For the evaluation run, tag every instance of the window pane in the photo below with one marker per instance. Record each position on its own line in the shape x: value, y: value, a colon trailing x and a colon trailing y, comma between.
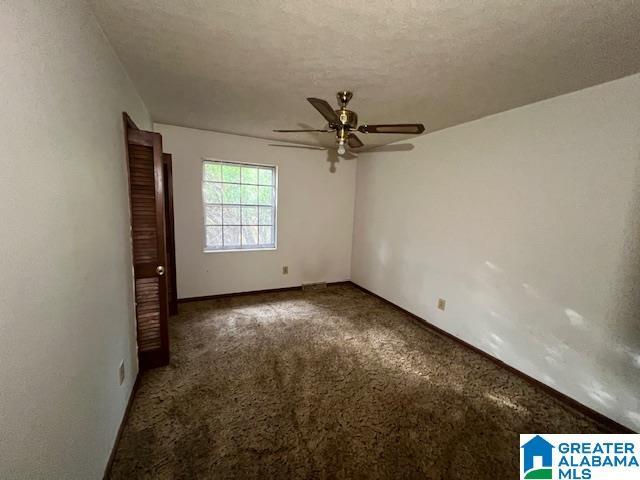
x: 239, y: 205
x: 249, y: 215
x: 212, y: 192
x: 266, y: 235
x: 265, y: 195
x: 266, y: 216
x: 249, y: 175
x: 231, y: 215
x: 266, y: 176
x: 231, y: 173
x: 249, y: 194
x: 213, y: 215
x: 231, y: 193
x: 214, y: 237
x: 212, y: 172
x: 231, y: 236
x: 249, y: 236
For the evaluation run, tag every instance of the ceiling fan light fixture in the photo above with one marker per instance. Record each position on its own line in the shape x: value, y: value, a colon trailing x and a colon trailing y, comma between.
x: 341, y: 147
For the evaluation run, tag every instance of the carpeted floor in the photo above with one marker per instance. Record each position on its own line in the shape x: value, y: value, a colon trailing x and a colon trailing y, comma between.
x: 327, y: 384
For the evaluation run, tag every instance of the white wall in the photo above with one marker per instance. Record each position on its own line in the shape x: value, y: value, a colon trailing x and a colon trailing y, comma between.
x: 528, y: 224
x: 315, y: 215
x: 66, y: 303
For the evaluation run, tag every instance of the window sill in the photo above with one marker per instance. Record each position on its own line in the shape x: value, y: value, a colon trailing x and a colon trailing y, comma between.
x: 236, y: 250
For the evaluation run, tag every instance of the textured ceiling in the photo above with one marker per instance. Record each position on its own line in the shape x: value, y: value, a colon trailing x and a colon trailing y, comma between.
x: 246, y: 66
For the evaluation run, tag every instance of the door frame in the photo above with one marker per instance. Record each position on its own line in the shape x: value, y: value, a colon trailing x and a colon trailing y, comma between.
x: 167, y: 160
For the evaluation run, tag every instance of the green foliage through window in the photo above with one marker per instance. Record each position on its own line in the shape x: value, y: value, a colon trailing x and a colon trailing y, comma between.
x: 239, y: 205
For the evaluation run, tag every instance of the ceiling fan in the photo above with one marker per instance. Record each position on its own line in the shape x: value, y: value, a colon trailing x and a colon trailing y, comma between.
x: 343, y: 121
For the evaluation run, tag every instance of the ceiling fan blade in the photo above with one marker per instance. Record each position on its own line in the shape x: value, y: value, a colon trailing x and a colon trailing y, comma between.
x: 394, y: 147
x: 325, y: 110
x: 304, y: 130
x: 354, y: 141
x: 305, y: 147
x: 414, y: 128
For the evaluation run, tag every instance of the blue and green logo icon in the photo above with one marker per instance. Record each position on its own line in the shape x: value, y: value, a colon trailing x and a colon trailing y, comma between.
x: 537, y: 459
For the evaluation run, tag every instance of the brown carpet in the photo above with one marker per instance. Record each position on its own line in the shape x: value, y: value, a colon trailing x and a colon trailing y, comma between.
x: 328, y: 384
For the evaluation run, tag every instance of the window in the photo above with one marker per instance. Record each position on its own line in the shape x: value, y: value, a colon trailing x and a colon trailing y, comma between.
x: 239, y: 206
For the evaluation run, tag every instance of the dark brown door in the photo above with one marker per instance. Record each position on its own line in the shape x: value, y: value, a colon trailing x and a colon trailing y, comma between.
x: 171, y: 244
x: 146, y: 189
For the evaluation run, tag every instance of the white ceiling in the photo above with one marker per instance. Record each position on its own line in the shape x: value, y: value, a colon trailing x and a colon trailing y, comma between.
x: 246, y: 66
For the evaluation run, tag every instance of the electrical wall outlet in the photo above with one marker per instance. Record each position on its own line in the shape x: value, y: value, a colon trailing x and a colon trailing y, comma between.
x: 121, y: 372
x: 442, y: 303
x: 285, y: 270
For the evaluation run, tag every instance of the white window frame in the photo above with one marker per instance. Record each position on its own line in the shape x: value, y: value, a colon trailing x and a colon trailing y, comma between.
x: 252, y: 248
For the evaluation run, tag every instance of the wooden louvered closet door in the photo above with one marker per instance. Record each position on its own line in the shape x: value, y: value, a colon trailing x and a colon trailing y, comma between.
x: 146, y: 188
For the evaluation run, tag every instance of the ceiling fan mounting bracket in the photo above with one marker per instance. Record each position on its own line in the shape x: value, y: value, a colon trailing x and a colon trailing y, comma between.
x: 344, y: 97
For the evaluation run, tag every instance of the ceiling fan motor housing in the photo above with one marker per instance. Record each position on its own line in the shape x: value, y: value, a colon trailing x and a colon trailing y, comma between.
x: 347, y: 118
